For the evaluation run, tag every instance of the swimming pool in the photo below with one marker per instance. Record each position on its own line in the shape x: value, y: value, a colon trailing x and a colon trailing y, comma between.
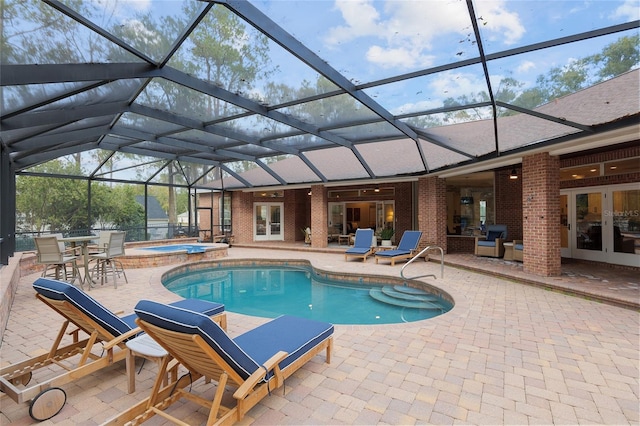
x: 276, y: 289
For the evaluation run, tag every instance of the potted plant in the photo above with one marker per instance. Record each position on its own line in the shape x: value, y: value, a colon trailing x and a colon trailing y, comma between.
x: 386, y: 234
x: 307, y: 234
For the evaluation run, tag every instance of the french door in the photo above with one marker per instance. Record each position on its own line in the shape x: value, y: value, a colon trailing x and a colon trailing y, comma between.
x: 601, y: 224
x: 267, y: 221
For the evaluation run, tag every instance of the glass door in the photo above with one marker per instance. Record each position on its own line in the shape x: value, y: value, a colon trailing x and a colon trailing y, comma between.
x: 565, y: 226
x: 336, y: 225
x: 267, y: 221
x: 601, y: 224
x: 624, y: 215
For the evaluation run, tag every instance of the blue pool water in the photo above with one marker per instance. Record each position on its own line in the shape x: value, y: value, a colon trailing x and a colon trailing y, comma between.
x: 272, y: 291
x: 190, y: 248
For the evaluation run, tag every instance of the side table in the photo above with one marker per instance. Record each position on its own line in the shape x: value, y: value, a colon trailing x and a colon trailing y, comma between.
x: 145, y: 347
x: 508, y: 251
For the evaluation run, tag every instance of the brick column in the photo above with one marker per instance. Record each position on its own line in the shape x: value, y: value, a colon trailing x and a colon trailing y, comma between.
x: 541, y: 214
x: 432, y: 210
x: 319, y: 219
x: 242, y: 216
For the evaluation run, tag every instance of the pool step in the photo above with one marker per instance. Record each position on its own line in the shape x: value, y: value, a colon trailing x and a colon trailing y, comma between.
x: 409, y: 293
x: 380, y: 296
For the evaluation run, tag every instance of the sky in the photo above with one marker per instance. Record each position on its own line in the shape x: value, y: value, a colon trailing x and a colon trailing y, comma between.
x: 368, y: 40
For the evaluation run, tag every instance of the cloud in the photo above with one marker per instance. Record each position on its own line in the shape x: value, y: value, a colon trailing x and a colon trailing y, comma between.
x: 525, y: 66
x: 493, y: 17
x: 404, y: 34
x: 629, y: 9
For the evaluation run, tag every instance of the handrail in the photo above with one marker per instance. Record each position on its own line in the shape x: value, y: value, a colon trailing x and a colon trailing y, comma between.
x: 424, y: 250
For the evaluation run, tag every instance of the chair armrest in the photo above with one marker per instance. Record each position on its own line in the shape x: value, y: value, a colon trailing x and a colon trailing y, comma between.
x: 72, y: 251
x: 118, y: 340
x: 259, y: 374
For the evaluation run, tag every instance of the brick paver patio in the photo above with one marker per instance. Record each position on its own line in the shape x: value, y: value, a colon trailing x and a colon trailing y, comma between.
x: 508, y: 353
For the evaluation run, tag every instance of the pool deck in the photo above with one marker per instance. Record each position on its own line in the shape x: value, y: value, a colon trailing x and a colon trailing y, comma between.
x: 507, y: 353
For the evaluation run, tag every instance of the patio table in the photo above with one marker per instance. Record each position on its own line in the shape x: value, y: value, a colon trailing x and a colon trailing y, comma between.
x: 83, y: 241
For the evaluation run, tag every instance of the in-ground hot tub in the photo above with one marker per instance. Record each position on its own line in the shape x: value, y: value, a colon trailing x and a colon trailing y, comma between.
x: 151, y: 254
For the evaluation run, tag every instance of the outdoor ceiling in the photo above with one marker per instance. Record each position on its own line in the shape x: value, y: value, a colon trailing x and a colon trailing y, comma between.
x: 238, y: 94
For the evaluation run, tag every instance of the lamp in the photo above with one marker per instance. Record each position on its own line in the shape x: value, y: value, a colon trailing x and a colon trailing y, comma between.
x: 309, y: 193
x: 514, y: 174
x: 377, y: 189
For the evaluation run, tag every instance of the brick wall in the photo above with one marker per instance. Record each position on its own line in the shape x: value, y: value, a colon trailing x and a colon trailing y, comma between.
x: 432, y: 210
x: 403, y: 214
x: 508, y: 196
x: 541, y: 210
x: 319, y: 216
x: 242, y: 216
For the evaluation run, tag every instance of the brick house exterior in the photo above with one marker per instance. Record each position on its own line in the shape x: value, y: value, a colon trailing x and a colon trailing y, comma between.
x: 529, y: 206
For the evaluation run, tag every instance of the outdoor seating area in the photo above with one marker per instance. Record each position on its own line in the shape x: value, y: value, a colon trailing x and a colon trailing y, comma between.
x: 95, y: 326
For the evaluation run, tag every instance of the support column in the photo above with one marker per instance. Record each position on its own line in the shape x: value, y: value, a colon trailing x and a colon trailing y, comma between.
x: 319, y: 219
x: 432, y: 210
x: 541, y: 214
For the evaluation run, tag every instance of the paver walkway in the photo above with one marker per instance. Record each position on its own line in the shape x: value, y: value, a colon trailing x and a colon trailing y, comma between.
x: 507, y: 353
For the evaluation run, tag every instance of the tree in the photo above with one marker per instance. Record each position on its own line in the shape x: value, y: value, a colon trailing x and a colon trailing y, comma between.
x: 49, y: 203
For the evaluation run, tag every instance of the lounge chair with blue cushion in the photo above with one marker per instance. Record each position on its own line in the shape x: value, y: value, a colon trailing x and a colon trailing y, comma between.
x: 255, y: 363
x: 362, y: 245
x: 406, y: 248
x: 492, y: 244
x: 107, y: 335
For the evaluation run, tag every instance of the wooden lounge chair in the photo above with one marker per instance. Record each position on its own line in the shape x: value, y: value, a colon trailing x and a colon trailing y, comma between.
x: 256, y: 362
x: 76, y: 359
x: 362, y: 245
x: 406, y: 248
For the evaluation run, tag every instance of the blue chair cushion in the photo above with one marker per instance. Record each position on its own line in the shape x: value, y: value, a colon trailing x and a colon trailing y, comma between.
x: 492, y: 235
x: 485, y: 243
x: 518, y: 247
x: 363, y: 239
x: 295, y: 335
x: 358, y: 250
x: 392, y: 253
x: 246, y: 353
x: 60, y: 290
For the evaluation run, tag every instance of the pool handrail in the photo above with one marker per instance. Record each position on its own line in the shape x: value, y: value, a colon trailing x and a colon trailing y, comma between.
x: 424, y: 251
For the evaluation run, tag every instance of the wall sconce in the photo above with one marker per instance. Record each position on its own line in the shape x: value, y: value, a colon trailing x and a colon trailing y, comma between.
x: 309, y: 193
x: 377, y: 189
x: 514, y: 174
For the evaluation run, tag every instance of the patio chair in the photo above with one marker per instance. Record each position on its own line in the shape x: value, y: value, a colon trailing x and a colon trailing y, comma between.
x: 52, y: 253
x: 518, y: 250
x: 492, y: 244
x: 256, y: 362
x: 107, y: 333
x: 106, y: 258
x: 406, y: 248
x: 362, y: 245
